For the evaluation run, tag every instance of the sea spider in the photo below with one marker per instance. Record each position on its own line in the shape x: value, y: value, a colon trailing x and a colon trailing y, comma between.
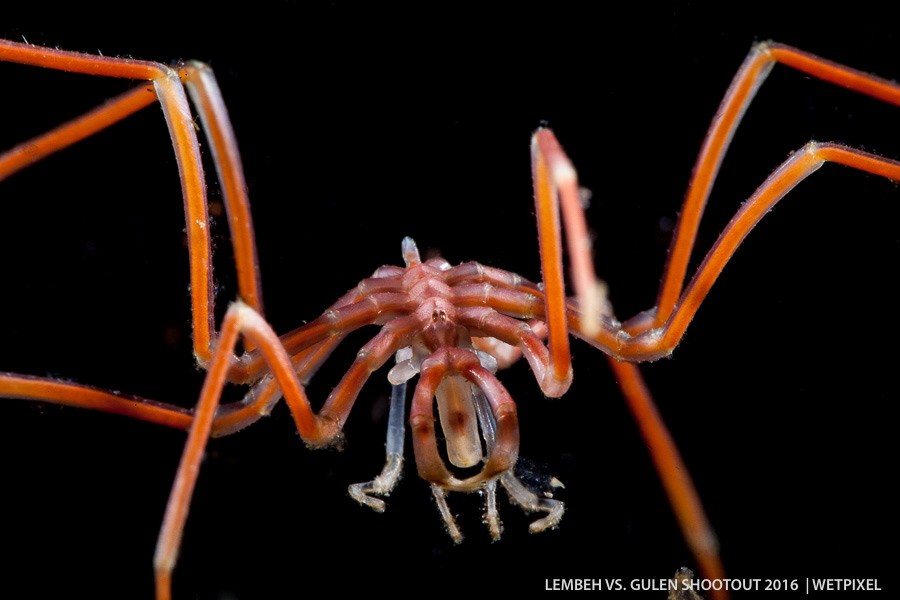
x: 450, y: 347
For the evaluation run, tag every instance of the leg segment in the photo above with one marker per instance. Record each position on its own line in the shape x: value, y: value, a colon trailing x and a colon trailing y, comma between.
x: 657, y: 342
x: 186, y: 478
x: 440, y: 499
x: 738, y: 97
x: 660, y: 342
x: 311, y: 345
x: 240, y: 319
x: 204, y: 91
x: 672, y: 472
x: 555, y: 180
x: 172, y: 99
x: 27, y: 387
x: 490, y: 323
x: 30, y: 152
x: 384, y: 484
x: 551, y: 171
x: 491, y: 514
x: 531, y: 502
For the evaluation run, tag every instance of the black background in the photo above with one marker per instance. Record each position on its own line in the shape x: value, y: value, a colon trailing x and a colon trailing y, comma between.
x: 358, y: 128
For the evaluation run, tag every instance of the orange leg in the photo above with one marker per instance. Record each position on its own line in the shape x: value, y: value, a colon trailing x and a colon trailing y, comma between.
x: 659, y: 342
x: 672, y: 472
x: 738, y: 97
x: 310, y: 345
x: 204, y: 91
x: 553, y: 172
x: 170, y: 93
x: 316, y: 429
x: 655, y: 333
x: 240, y: 319
x: 166, y: 87
x: 671, y: 469
x: 30, y: 152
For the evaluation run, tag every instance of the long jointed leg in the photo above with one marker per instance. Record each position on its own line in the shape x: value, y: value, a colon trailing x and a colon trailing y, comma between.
x: 36, y: 149
x: 317, y: 429
x: 552, y: 172
x: 204, y: 91
x: 665, y: 324
x: 672, y: 472
x: 738, y: 97
x: 654, y: 343
x: 167, y: 85
x: 27, y: 387
x: 656, y: 332
x: 556, y: 185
